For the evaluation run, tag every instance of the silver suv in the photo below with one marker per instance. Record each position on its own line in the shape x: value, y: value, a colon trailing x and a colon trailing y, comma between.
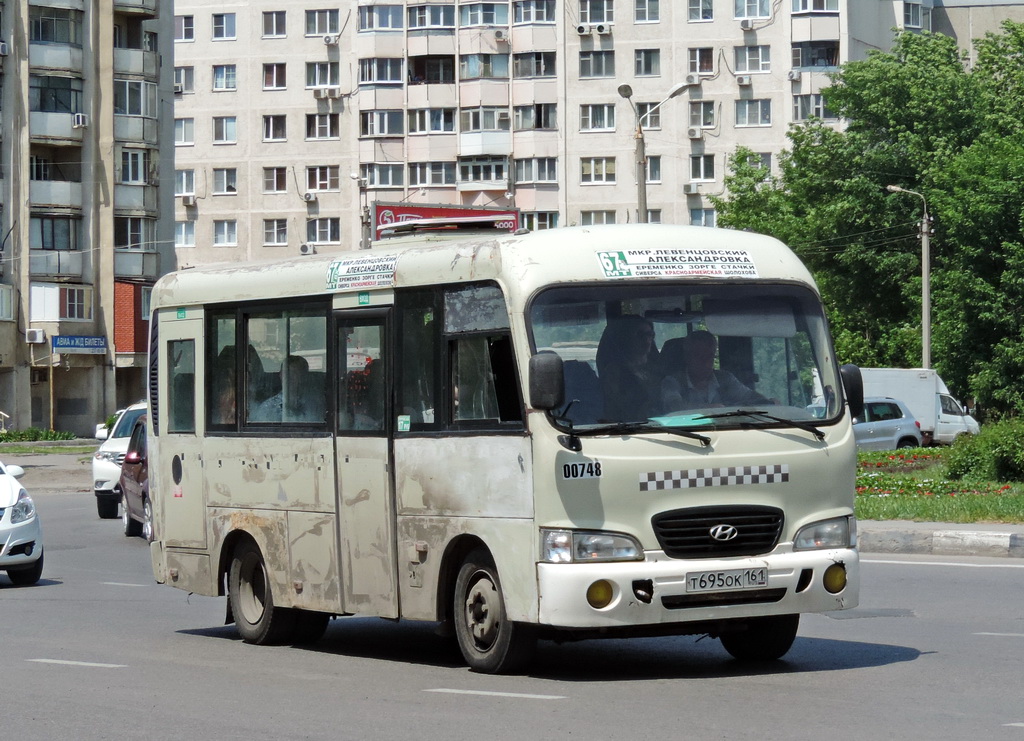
x: 886, y: 424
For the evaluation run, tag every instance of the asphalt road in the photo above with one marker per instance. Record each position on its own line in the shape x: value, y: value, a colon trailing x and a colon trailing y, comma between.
x: 97, y: 650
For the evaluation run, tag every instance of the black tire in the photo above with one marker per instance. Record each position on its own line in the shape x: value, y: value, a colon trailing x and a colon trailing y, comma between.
x: 252, y: 601
x: 132, y: 528
x: 907, y: 443
x: 489, y: 642
x: 106, y: 507
x: 309, y: 626
x: 28, y: 576
x: 764, y: 639
x: 147, y: 520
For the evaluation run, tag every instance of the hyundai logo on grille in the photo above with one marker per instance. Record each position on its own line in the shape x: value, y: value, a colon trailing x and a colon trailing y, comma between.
x: 723, y: 532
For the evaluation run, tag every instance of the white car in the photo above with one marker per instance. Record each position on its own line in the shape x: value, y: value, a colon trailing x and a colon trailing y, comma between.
x: 106, y: 462
x: 21, y: 537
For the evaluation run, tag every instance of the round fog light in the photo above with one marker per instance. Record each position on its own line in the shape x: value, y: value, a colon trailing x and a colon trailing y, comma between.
x: 600, y: 593
x: 835, y: 578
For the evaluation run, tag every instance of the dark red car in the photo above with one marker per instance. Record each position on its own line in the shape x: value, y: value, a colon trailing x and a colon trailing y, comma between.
x: 136, y: 510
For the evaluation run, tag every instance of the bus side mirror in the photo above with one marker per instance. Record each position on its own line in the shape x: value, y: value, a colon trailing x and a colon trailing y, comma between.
x: 547, y: 381
x: 853, y: 384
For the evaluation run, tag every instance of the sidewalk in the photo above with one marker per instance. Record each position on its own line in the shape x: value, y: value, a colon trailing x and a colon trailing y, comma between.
x: 939, y: 538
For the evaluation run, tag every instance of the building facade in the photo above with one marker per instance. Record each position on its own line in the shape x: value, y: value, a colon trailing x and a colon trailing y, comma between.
x: 85, y: 103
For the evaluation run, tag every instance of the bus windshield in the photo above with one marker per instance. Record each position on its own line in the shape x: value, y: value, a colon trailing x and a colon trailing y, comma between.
x: 688, y: 355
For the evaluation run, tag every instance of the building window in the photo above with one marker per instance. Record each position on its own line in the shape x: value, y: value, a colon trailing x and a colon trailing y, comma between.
x: 807, y: 106
x: 323, y: 231
x: 597, y: 64
x: 597, y: 11
x: 484, y: 118
x: 592, y: 218
x: 50, y: 302
x: 533, y: 64
x: 537, y: 220
x: 380, y: 17
x: 483, y: 169
x: 702, y: 216
x: 816, y: 54
x: 752, y: 9
x: 649, y: 115
x: 322, y: 74
x: 700, y: 10
x: 815, y: 6
x: 322, y: 126
x: 754, y: 112
x: 647, y: 11
x: 225, y: 130
x: 701, y: 60
x: 483, y: 66
x: 431, y: 69
x: 274, y: 76
x: 321, y: 22
x: 223, y: 26
x: 225, y: 233
x: 133, y: 233
x: 911, y: 15
x: 537, y: 116
x: 275, y: 232
x: 135, y: 98
x: 534, y: 11
x: 323, y: 177
x: 383, y: 174
x: 702, y: 114
x: 184, y: 234
x: 422, y: 174
x: 484, y: 14
x: 184, y: 28
x: 379, y: 71
x: 76, y: 302
x: 57, y: 233
x: 599, y: 117
x: 274, y: 24
x: 54, y: 25
x: 753, y: 58
x: 275, y: 128
x: 135, y: 166
x: 432, y: 121
x: 224, y: 77
x: 437, y: 17
x: 275, y: 180
x: 597, y: 170
x: 654, y: 216
x: 53, y: 94
x: 382, y: 123
x: 184, y: 131
x: 653, y: 169
x: 184, y: 182
x: 702, y: 167
x: 536, y: 170
x: 225, y: 181
x: 647, y: 62
x: 184, y: 79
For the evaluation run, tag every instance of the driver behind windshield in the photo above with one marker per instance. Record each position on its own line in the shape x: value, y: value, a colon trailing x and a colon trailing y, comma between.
x: 697, y: 384
x: 627, y: 366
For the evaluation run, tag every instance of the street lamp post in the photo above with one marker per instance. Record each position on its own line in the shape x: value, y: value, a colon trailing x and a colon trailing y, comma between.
x: 640, y: 147
x: 926, y: 277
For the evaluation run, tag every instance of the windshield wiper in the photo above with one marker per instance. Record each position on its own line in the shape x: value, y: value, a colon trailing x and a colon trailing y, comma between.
x: 628, y: 427
x: 807, y: 426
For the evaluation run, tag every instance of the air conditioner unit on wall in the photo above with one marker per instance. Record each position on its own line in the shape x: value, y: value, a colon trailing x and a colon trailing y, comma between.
x: 35, y: 336
x: 334, y: 92
x: 178, y: 88
x: 309, y: 196
x: 330, y: 39
x: 188, y: 200
x: 690, y: 189
x: 80, y: 121
x: 794, y: 75
x: 695, y: 132
x: 307, y: 249
x: 320, y: 93
x: 501, y: 35
x: 743, y: 80
x: 603, y: 28
x: 747, y: 24
x: 583, y: 29
x: 693, y: 79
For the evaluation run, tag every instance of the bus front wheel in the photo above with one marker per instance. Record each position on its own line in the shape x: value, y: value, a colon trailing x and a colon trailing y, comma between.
x: 490, y: 643
x: 764, y: 639
x: 252, y: 600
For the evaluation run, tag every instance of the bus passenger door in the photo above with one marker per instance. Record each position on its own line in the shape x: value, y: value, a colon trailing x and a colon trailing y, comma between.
x: 176, y: 465
x: 366, y: 507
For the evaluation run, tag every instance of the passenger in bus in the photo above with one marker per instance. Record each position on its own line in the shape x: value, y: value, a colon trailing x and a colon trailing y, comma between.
x: 627, y: 367
x: 296, y: 401
x: 698, y: 384
x: 224, y: 388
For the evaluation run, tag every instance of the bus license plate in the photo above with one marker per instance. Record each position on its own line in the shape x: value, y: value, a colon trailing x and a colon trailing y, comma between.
x: 725, y: 581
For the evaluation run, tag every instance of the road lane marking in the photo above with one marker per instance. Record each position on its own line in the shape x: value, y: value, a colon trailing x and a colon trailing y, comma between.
x: 1002, y: 635
x: 498, y: 694
x: 122, y: 584
x: 947, y: 563
x: 79, y: 663
x: 1013, y: 725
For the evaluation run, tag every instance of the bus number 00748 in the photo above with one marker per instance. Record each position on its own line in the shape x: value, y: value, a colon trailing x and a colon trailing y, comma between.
x: 589, y: 470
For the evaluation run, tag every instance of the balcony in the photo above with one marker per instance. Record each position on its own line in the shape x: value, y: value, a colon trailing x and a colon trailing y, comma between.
x: 137, y: 129
x: 147, y: 8
x: 55, y: 193
x: 55, y: 264
x: 136, y: 264
x: 136, y: 198
x: 55, y: 56
x: 485, y: 142
x: 49, y: 126
x: 137, y: 62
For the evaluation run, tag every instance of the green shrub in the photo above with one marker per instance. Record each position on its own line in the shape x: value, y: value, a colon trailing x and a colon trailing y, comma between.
x: 997, y: 454
x: 33, y: 434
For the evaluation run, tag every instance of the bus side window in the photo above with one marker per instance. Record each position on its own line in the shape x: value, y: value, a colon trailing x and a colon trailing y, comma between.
x: 181, y: 393
x: 483, y: 383
x: 361, y: 390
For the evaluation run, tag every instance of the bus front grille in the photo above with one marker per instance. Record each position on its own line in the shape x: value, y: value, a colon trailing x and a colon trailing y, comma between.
x: 718, y: 532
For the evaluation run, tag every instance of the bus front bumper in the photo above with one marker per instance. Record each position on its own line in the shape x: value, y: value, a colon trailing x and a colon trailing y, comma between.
x: 661, y: 591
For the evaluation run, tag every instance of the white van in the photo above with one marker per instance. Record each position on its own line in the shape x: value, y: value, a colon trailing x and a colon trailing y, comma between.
x: 106, y: 461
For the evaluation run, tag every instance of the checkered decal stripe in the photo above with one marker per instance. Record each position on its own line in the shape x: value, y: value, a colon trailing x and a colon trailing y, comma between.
x: 700, y: 477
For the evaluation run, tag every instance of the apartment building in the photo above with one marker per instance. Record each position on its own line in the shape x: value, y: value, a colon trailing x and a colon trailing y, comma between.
x: 85, y: 105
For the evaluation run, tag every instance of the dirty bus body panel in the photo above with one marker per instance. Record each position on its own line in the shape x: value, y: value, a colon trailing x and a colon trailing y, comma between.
x: 431, y: 482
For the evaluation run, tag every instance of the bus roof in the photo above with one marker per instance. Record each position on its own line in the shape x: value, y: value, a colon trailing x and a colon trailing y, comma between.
x: 522, y: 263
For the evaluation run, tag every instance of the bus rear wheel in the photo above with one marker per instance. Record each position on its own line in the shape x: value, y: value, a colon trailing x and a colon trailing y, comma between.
x: 489, y: 642
x: 252, y: 600
x: 764, y: 639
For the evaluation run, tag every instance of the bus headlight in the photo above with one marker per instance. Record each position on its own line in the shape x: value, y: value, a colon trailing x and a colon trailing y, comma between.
x: 582, y: 546
x: 839, y: 532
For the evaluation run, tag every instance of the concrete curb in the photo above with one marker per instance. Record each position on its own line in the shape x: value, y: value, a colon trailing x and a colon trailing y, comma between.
x: 941, y: 539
